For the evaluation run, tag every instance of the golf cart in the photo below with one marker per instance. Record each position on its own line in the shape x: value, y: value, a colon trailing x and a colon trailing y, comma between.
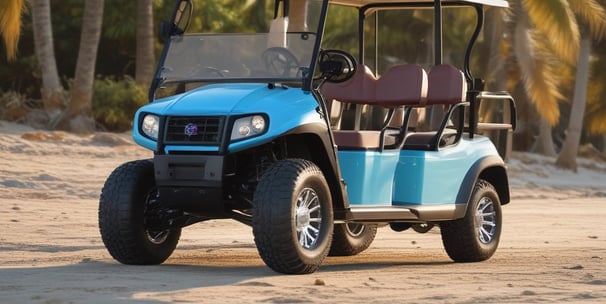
x: 311, y: 146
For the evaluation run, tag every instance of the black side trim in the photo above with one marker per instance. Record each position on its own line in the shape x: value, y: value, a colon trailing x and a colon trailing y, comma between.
x: 490, y: 168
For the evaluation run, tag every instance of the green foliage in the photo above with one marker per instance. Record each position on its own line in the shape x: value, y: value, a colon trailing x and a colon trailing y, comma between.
x: 230, y: 16
x: 116, y: 101
x: 341, y: 30
x: 120, y: 23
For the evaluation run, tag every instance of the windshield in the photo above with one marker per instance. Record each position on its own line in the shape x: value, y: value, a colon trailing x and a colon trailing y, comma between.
x: 244, y: 47
x: 238, y: 56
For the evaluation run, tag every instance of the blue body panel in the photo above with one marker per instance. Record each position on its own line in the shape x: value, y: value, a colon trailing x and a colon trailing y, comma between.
x: 369, y: 175
x: 410, y: 177
x: 435, y: 177
x: 287, y: 109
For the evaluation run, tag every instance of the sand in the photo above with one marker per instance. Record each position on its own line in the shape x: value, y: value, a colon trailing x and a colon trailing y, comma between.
x: 553, y: 247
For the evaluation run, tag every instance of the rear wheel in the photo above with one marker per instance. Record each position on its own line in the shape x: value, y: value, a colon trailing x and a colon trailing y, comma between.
x: 351, y: 239
x: 128, y: 195
x: 476, y: 236
x: 292, y: 217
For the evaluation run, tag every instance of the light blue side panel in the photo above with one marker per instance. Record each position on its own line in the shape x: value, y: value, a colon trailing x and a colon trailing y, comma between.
x: 368, y: 175
x: 435, y: 177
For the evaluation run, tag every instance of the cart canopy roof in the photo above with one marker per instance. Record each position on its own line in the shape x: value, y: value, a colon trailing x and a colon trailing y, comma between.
x: 359, y: 3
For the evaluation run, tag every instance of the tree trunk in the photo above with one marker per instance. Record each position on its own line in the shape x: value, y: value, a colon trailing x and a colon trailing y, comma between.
x: 79, y: 115
x: 145, y: 43
x: 52, y: 90
x: 544, y: 143
x: 535, y: 75
x: 567, y: 158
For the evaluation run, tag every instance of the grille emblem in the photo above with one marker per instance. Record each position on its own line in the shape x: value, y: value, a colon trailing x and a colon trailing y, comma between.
x: 191, y: 129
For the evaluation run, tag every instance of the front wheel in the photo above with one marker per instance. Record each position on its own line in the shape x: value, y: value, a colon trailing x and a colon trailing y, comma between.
x: 475, y: 237
x: 351, y: 238
x: 292, y: 217
x: 129, y: 194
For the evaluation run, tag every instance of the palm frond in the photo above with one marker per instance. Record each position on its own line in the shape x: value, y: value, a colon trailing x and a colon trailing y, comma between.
x: 544, y: 92
x: 10, y: 25
x: 556, y: 20
x: 540, y: 80
x: 593, y: 14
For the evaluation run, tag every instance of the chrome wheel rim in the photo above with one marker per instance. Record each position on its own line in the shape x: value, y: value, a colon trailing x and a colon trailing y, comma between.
x: 157, y: 237
x: 486, y: 220
x: 355, y: 230
x: 308, y: 218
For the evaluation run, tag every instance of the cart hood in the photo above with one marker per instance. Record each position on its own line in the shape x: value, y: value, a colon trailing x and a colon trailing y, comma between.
x: 224, y: 99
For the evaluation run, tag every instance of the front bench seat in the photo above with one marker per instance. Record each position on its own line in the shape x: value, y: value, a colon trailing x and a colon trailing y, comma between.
x: 401, y: 85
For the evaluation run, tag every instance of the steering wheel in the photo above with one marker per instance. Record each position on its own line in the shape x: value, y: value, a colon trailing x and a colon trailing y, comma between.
x: 280, y: 61
x: 336, y: 66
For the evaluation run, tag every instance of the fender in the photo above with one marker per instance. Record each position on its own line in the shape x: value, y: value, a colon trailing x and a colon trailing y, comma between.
x: 316, y: 134
x: 489, y: 168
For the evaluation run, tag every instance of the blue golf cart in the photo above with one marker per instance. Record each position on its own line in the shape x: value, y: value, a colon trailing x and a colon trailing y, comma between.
x: 311, y: 146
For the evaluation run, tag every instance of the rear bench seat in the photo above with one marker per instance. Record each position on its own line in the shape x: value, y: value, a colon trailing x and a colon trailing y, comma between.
x: 447, y: 86
x: 401, y: 85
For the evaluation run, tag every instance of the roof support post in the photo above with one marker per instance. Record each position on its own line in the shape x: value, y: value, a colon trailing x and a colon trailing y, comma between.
x: 479, y: 25
x: 437, y: 23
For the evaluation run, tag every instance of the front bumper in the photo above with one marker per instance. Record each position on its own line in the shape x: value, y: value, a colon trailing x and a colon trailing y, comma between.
x: 192, y: 183
x: 188, y: 170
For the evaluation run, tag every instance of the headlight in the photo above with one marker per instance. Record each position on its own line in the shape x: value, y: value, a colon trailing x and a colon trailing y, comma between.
x: 248, y: 126
x: 150, y: 126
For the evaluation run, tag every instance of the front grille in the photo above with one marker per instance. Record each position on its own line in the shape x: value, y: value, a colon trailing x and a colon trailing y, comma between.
x: 194, y: 130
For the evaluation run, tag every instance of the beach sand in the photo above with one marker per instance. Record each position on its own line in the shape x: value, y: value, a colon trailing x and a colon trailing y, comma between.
x: 553, y: 246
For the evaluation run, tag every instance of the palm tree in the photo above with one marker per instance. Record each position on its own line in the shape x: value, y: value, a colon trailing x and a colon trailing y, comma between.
x: 145, y: 42
x: 79, y: 116
x: 540, y: 41
x: 52, y: 90
x: 10, y: 25
x: 594, y: 16
x: 546, y: 39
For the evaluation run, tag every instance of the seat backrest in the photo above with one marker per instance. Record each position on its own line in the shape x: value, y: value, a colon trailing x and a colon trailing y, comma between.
x: 447, y: 85
x: 404, y: 84
x: 358, y: 89
x: 400, y: 85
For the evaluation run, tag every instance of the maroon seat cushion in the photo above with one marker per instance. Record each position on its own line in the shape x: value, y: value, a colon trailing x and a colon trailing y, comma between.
x: 446, y: 85
x: 400, y: 85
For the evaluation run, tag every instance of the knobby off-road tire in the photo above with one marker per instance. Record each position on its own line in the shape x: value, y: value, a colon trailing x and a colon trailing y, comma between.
x: 127, y: 193
x: 351, y: 239
x: 475, y: 237
x: 293, y: 217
